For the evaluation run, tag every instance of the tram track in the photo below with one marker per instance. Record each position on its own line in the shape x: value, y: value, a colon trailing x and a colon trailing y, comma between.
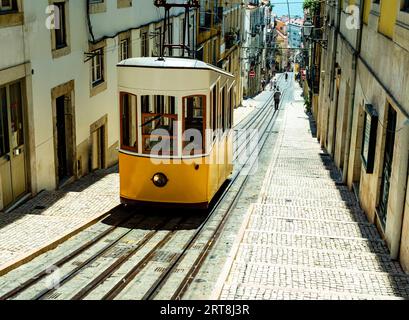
x: 258, y: 121
x: 192, y: 272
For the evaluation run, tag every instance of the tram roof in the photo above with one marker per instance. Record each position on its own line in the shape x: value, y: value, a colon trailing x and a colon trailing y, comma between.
x: 171, y: 63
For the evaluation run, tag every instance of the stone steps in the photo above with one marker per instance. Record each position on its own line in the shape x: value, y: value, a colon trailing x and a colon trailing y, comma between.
x: 319, y: 228
x: 321, y: 279
x: 346, y: 260
x: 304, y: 241
x: 334, y: 214
x: 261, y: 292
x: 309, y: 202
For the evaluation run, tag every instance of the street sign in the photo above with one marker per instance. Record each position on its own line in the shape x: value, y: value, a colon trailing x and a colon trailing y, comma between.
x: 252, y: 74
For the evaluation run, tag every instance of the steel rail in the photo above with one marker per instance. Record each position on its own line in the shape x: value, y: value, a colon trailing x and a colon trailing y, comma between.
x: 124, y: 281
x: 130, y: 275
x: 153, y: 291
x: 189, y: 277
x: 65, y: 259
x: 119, y: 262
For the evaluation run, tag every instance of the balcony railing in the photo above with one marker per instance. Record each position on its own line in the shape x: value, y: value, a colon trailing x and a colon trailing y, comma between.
x: 231, y: 39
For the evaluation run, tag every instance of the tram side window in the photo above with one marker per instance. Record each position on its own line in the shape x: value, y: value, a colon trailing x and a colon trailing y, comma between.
x: 159, y: 124
x: 194, y: 120
x: 223, y: 110
x: 214, y: 111
x: 229, y: 110
x: 129, y: 127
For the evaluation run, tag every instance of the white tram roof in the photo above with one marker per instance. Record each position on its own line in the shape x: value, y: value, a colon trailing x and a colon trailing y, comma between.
x: 172, y: 63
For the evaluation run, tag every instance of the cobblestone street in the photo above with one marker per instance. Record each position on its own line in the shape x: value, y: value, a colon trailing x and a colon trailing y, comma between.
x: 299, y: 235
x: 48, y: 218
x: 306, y: 236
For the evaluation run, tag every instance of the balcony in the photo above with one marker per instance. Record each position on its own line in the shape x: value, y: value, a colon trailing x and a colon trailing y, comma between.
x: 205, y: 21
x: 218, y: 15
x: 231, y: 39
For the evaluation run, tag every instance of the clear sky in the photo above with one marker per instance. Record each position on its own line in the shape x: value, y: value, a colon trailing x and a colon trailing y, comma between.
x: 280, y: 7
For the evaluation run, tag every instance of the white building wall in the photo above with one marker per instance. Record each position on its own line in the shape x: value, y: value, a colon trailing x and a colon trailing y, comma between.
x: 34, y: 46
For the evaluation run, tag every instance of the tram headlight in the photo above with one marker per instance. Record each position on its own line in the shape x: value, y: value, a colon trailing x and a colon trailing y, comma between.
x: 160, y: 180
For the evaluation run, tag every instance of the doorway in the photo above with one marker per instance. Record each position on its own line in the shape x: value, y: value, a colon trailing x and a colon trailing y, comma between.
x: 344, y: 126
x: 64, y: 138
x: 98, y: 149
x: 13, y: 170
x: 334, y: 128
x: 387, y: 164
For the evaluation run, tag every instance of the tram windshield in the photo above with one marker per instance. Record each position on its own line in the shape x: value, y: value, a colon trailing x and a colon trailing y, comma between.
x: 159, y: 124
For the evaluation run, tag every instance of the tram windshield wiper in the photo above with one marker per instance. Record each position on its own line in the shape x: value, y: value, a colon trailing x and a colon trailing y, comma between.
x: 151, y: 120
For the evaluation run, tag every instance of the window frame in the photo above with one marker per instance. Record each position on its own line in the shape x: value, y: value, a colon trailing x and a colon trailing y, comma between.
x: 368, y: 159
x: 174, y: 117
x: 97, y: 6
x: 125, y: 41
x: 204, y: 123
x: 62, y: 9
x: 100, y: 57
x: 13, y: 7
x: 121, y: 112
x: 144, y: 43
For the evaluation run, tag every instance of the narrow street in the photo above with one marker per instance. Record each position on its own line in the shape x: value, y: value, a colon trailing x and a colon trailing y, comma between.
x: 199, y: 158
x: 293, y: 232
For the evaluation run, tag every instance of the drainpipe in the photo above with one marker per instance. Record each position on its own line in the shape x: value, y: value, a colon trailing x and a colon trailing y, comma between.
x: 351, y: 113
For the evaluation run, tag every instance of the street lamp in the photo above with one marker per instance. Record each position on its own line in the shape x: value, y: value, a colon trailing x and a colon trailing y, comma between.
x: 308, y: 28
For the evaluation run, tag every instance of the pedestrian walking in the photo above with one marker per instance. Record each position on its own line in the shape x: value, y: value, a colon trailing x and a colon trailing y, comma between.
x: 277, y: 97
x: 263, y: 84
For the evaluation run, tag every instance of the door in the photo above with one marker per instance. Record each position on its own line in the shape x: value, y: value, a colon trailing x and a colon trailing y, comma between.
x: 64, y: 138
x: 387, y: 164
x: 12, y: 144
x: 98, y: 154
x: 334, y: 132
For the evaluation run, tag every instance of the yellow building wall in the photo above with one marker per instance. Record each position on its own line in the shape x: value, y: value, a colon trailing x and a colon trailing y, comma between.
x: 389, y: 12
x: 367, y: 10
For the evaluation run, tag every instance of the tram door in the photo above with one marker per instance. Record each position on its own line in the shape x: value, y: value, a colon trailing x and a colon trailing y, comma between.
x: 12, y: 144
x: 387, y: 164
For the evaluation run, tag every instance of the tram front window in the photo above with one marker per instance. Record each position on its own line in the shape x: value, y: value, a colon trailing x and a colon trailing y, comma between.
x: 159, y: 125
x: 128, y: 122
x: 194, y: 119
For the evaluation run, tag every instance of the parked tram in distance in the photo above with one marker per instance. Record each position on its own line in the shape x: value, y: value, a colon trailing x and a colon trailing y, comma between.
x: 176, y: 143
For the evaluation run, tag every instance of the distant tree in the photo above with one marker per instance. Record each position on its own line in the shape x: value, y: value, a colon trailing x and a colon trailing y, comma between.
x: 311, y: 5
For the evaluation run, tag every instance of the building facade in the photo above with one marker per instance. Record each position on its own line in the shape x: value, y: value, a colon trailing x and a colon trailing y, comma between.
x: 294, y: 33
x: 363, y: 110
x: 253, y: 49
x: 219, y: 37
x: 58, y: 92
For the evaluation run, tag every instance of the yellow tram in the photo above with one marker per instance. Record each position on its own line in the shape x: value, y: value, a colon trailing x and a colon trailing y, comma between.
x: 176, y: 140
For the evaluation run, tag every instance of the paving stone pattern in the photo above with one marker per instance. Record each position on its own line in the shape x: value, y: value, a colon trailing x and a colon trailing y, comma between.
x: 53, y: 214
x: 307, y: 237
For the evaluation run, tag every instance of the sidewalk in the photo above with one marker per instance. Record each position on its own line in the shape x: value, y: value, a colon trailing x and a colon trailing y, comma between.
x: 306, y: 237
x: 52, y: 216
